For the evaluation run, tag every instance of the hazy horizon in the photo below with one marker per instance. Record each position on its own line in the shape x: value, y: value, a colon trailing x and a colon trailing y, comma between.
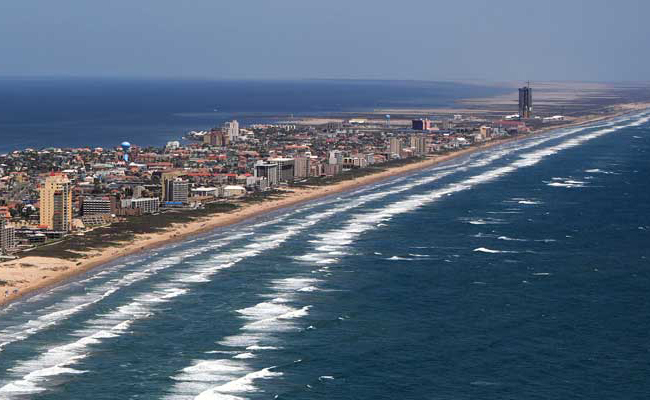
x: 296, y: 40
x: 504, y: 84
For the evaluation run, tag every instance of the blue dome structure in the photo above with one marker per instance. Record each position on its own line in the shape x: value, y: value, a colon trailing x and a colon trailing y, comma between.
x: 126, y: 146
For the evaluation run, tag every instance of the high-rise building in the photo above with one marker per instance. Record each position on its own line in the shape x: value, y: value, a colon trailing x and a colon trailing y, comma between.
x: 216, y: 138
x: 177, y: 191
x: 165, y: 180
x: 232, y: 130
x: 332, y: 169
x: 56, y: 203
x: 7, y: 237
x: 485, y: 131
x: 422, y: 124
x: 525, y: 102
x: 268, y: 170
x: 335, y: 157
x: 285, y: 168
x: 302, y: 167
x: 419, y: 144
x: 395, y: 147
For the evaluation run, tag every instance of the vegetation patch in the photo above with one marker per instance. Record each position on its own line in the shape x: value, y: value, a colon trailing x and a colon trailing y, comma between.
x: 72, y: 247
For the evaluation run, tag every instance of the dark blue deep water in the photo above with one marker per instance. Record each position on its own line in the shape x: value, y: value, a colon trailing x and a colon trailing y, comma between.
x: 518, y: 273
x: 41, y: 113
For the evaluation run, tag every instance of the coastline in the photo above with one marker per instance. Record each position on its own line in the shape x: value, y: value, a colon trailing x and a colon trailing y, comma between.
x: 34, y: 274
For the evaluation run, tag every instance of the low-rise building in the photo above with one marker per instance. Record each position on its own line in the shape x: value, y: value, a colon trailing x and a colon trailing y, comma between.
x: 96, y: 205
x: 146, y: 205
x: 233, y: 191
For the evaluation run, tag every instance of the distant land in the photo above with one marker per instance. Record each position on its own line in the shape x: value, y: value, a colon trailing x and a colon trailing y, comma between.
x: 104, y: 112
x: 57, y: 112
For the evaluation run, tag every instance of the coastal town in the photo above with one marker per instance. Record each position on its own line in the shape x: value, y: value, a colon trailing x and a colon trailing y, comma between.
x: 51, y: 193
x: 324, y: 200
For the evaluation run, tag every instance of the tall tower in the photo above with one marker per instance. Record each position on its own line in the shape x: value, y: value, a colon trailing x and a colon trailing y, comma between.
x: 166, y: 179
x: 395, y: 147
x: 126, y: 147
x: 56, y: 203
x: 526, y: 101
x: 232, y: 130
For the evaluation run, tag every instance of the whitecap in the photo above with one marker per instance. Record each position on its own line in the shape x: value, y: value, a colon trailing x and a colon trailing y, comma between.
x: 599, y: 171
x: 243, y: 384
x: 511, y: 239
x: 491, y: 251
x: 242, y: 356
x: 255, y: 348
x: 485, y: 221
x: 566, y: 183
x: 308, y: 289
x: 529, y: 202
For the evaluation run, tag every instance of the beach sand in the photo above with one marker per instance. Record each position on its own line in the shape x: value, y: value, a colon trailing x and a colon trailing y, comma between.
x: 29, y: 274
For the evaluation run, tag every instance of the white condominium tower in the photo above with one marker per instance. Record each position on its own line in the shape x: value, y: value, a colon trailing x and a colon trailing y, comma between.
x: 232, y: 130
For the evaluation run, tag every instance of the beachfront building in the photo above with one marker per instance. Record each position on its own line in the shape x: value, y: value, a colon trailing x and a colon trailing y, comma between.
x: 286, y: 168
x: 96, y: 205
x: 177, y: 191
x: 302, y: 167
x: 268, y: 170
x: 526, y: 102
x: 56, y: 203
x: 419, y: 144
x: 165, y: 179
x: 335, y: 157
x: 332, y: 169
x: 7, y: 237
x: 233, y: 191
x: 146, y: 205
x: 395, y: 147
x: 205, y: 192
x: 485, y: 132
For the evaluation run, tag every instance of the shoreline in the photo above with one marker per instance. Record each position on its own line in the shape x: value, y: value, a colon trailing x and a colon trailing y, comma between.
x: 42, y: 273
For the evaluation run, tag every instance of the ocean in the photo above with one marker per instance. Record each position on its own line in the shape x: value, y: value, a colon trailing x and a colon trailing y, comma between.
x: 518, y: 272
x: 38, y: 113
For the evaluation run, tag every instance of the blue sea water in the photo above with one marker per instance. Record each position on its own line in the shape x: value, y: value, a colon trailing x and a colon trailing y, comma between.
x: 520, y: 272
x: 45, y: 112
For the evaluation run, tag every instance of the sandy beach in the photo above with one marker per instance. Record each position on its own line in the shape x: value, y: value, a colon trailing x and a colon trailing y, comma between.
x: 28, y: 274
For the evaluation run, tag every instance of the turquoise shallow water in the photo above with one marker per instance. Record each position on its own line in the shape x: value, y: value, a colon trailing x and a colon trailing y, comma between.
x: 521, y: 272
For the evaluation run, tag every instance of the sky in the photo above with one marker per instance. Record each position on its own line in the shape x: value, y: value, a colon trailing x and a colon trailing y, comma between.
x: 490, y: 40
